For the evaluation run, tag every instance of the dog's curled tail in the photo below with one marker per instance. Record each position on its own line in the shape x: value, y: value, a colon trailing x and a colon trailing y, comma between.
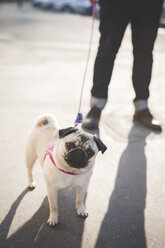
x: 46, y: 120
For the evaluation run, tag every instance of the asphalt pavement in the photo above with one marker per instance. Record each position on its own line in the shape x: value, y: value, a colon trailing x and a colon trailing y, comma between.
x: 42, y: 61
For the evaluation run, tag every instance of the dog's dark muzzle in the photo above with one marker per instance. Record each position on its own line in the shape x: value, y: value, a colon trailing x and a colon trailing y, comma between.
x: 76, y: 158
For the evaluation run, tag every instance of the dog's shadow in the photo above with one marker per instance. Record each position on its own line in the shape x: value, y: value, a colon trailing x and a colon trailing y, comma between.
x: 36, y: 232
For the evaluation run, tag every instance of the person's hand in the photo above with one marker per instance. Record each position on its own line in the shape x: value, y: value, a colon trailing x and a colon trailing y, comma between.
x: 93, y: 1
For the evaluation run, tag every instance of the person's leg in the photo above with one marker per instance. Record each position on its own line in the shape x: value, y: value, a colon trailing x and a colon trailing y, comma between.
x: 145, y: 22
x: 114, y: 17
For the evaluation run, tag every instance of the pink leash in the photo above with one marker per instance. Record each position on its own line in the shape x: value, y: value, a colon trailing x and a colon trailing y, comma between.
x: 79, y: 118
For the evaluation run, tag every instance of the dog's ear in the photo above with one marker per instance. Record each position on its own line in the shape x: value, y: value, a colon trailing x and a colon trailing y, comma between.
x: 100, y: 144
x: 66, y: 131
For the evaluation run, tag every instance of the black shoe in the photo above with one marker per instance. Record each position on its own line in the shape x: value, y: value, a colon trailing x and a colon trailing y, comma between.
x: 145, y: 118
x: 92, y: 119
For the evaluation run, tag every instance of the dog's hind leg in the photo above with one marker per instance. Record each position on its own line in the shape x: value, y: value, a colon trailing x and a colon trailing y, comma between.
x: 31, y: 157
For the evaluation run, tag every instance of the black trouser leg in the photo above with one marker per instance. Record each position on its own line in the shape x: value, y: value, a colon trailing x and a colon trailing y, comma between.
x: 145, y: 21
x: 114, y: 17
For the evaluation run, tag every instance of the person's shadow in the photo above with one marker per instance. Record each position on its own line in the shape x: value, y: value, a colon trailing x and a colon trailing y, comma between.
x: 123, y: 224
x: 36, y: 233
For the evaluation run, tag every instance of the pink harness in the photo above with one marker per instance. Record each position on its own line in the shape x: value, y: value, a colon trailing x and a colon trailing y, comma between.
x: 50, y: 153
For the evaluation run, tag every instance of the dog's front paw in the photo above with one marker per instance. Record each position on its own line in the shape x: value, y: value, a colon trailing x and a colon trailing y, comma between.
x: 82, y: 212
x: 53, y: 220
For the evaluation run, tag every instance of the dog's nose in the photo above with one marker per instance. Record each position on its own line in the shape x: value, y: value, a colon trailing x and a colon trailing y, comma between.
x: 78, y: 154
x: 76, y: 158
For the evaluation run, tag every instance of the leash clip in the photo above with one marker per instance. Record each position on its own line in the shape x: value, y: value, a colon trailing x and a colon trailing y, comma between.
x: 79, y: 119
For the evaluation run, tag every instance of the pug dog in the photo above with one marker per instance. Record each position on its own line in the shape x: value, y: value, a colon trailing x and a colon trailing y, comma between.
x: 67, y: 159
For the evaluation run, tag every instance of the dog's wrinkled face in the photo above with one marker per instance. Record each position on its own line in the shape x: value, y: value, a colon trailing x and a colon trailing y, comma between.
x: 78, y: 151
x: 80, y: 148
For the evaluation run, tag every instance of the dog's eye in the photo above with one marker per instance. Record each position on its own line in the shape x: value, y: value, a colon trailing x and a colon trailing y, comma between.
x: 70, y: 145
x: 90, y: 152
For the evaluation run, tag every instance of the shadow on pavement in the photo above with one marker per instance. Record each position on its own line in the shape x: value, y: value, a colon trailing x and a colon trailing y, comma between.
x: 36, y: 233
x: 6, y: 223
x: 123, y: 224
